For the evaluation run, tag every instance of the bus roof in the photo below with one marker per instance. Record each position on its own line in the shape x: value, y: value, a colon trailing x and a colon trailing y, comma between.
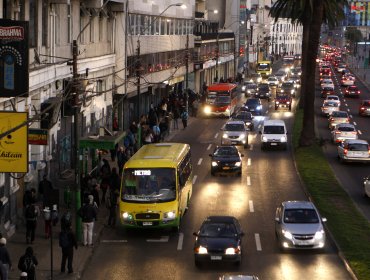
x: 264, y: 62
x: 158, y: 155
x: 221, y: 87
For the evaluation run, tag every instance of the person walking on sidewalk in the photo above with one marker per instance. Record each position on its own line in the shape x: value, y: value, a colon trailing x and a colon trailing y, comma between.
x: 88, y: 214
x: 45, y: 191
x: 67, y: 240
x: 27, y: 263
x: 32, y: 213
x: 184, y: 118
x: 112, y: 204
x: 5, y: 258
x: 176, y: 116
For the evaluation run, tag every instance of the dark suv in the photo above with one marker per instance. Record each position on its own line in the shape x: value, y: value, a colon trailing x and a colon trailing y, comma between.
x: 288, y: 87
x: 283, y: 100
x: 263, y: 91
x: 253, y: 105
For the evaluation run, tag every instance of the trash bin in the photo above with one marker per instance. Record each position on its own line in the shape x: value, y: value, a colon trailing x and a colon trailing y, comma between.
x: 68, y: 197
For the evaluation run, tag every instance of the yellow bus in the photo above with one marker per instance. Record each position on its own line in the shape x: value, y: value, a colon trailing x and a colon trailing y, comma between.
x: 264, y: 68
x: 156, y: 186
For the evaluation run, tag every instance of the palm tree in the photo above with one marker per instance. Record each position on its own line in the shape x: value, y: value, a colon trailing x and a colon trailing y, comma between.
x: 311, y: 14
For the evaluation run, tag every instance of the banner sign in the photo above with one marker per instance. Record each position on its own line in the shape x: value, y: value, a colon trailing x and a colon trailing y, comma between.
x: 13, y: 145
x: 14, y: 73
x: 37, y: 136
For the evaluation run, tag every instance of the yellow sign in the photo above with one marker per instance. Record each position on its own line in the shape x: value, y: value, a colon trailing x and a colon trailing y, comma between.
x: 13, y: 144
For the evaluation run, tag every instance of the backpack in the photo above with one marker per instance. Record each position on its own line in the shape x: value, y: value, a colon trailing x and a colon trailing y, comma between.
x: 28, y: 263
x: 184, y: 115
x: 31, y: 212
x: 64, y: 239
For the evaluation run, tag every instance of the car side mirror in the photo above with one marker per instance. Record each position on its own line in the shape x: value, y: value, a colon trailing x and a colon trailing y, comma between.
x: 195, y: 234
x: 323, y: 219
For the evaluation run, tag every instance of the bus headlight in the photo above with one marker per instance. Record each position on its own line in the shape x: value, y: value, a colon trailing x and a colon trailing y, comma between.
x: 214, y: 163
x: 207, y: 110
x: 127, y: 216
x: 169, y: 215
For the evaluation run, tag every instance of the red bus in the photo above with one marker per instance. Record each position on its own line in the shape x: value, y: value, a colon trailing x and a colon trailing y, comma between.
x: 221, y: 100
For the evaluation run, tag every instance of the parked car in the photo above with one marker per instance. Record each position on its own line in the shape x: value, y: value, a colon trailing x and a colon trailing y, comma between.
x: 328, y: 107
x: 226, y: 159
x: 299, y: 225
x: 366, y: 184
x: 354, y: 151
x: 343, y: 131
x: 219, y: 239
x: 338, y: 117
x: 235, y: 133
x: 253, y: 105
x: 364, y: 109
x: 244, y: 116
x: 352, y: 91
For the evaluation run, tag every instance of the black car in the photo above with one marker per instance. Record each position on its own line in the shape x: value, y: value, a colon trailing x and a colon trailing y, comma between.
x: 246, y: 117
x: 263, y: 91
x: 226, y: 159
x: 288, y: 87
x: 253, y: 105
x: 218, y: 240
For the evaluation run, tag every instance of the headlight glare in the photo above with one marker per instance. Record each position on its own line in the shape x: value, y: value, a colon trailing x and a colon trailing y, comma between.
x: 230, y: 251
x: 283, y: 139
x: 224, y: 135
x: 202, y: 250
x: 214, y: 163
x: 169, y: 215
x: 127, y: 216
x: 264, y: 139
x: 319, y: 234
x: 287, y: 234
x: 238, y: 163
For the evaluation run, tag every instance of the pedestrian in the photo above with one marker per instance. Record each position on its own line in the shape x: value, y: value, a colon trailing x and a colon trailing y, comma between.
x: 45, y: 191
x: 176, y: 116
x: 47, y: 218
x: 148, y: 137
x: 121, y: 159
x: 112, y: 205
x: 29, y: 195
x: 88, y: 214
x: 105, y: 174
x: 66, y: 220
x: 95, y: 194
x: 115, y: 180
x: 195, y: 106
x: 184, y: 118
x: 156, y: 133
x: 5, y: 258
x: 31, y: 215
x: 2, y: 271
x: 67, y: 240
x: 27, y: 263
x: 163, y: 126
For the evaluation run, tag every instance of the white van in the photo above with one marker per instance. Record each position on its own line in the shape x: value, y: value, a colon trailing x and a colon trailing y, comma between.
x: 273, y: 134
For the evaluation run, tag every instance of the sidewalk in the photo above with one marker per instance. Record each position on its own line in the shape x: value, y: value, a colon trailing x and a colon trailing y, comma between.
x: 357, y: 66
x: 43, y: 247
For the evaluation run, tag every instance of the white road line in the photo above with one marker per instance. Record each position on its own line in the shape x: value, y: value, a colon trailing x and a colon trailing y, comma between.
x: 251, y: 207
x: 270, y: 105
x: 194, y: 179
x: 354, y: 123
x: 346, y: 104
x: 113, y: 241
x: 181, y: 240
x: 351, y: 116
x: 216, y: 135
x: 348, y: 110
x: 249, y: 162
x: 200, y: 161
x: 248, y: 180
x: 359, y: 132
x: 251, y: 147
x: 259, y: 126
x: 163, y: 239
x: 258, y: 242
x: 209, y: 146
x: 267, y: 111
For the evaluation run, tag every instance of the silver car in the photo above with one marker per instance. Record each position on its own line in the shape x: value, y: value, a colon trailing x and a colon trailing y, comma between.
x: 342, y: 132
x: 328, y: 107
x: 299, y: 225
x: 354, y: 150
x: 235, y: 133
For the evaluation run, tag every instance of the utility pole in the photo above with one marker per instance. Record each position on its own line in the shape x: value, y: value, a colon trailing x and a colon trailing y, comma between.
x: 76, y: 93
x: 187, y: 74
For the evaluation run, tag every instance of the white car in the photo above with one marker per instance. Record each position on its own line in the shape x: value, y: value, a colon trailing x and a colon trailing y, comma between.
x: 347, y: 81
x: 343, y: 131
x: 273, y: 81
x: 328, y: 107
x: 327, y: 83
x: 367, y: 186
x: 341, y: 68
x: 338, y: 117
x: 334, y: 98
x: 235, y: 133
x: 354, y: 151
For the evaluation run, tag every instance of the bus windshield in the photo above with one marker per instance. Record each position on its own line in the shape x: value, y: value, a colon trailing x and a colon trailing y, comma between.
x: 263, y: 66
x: 149, y: 185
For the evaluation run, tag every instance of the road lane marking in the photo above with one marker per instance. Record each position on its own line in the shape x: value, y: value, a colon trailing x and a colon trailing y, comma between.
x: 359, y: 132
x: 259, y: 126
x: 351, y: 116
x: 181, y: 240
x: 267, y: 111
x: 200, y: 161
x: 163, y: 239
x: 346, y: 104
x: 248, y: 180
x: 249, y: 162
x: 354, y: 123
x: 258, y: 242
x: 348, y: 110
x: 194, y: 179
x: 209, y: 146
x: 251, y: 208
x: 216, y: 135
x: 113, y: 241
x: 251, y: 147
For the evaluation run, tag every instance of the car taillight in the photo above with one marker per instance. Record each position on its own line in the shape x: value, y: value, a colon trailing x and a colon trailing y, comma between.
x: 338, y: 132
x: 358, y: 92
x: 362, y: 108
x: 345, y: 151
x: 348, y: 120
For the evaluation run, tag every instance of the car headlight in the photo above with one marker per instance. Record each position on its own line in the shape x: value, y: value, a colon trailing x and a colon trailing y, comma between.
x: 259, y: 107
x: 201, y: 250
x: 170, y: 215
x: 319, y: 234
x: 264, y: 139
x: 277, y: 102
x: 214, y: 163
x: 238, y: 163
x: 230, y: 251
x: 242, y: 135
x: 248, y: 123
x: 287, y: 234
x: 287, y: 102
x: 127, y: 216
x: 283, y: 139
x: 207, y: 110
x: 249, y: 91
x: 243, y: 88
x: 224, y: 135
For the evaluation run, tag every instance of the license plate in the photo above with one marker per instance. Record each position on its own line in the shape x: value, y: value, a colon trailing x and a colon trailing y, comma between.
x: 357, y: 154
x: 226, y: 167
x: 216, y: 258
x: 273, y: 144
x: 303, y: 242
x: 147, y: 223
x: 234, y: 142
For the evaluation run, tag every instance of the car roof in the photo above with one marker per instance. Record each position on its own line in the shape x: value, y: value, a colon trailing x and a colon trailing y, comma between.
x: 234, y: 122
x: 273, y: 122
x: 356, y: 141
x: 227, y: 147
x: 332, y: 96
x: 220, y: 219
x: 298, y: 204
x: 238, y: 277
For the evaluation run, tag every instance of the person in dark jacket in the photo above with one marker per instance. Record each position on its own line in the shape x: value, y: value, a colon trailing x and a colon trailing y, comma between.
x: 112, y: 205
x: 67, y: 241
x: 115, y: 180
x: 5, y: 258
x: 27, y: 263
x: 45, y: 191
x: 88, y: 215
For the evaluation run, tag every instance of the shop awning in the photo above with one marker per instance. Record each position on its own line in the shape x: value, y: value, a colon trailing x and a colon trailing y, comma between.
x: 106, y: 142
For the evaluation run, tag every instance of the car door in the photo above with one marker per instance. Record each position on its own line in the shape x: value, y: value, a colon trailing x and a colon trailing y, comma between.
x: 340, y: 149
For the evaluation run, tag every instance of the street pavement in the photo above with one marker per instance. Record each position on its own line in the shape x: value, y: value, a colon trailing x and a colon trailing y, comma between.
x: 48, y: 252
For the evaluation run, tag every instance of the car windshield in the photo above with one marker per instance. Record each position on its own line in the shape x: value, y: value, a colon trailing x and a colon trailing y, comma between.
x: 287, y: 85
x: 218, y: 230
x: 331, y: 104
x: 327, y: 89
x: 358, y: 147
x: 226, y: 151
x: 234, y: 127
x: 243, y: 116
x: 300, y: 216
x: 352, y: 88
x: 149, y: 185
x: 272, y: 79
x: 346, y: 128
x: 222, y: 99
x: 339, y: 115
x: 273, y: 129
x: 332, y: 98
x: 280, y: 73
x: 251, y: 86
x: 263, y: 87
x: 255, y: 75
x: 251, y: 102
